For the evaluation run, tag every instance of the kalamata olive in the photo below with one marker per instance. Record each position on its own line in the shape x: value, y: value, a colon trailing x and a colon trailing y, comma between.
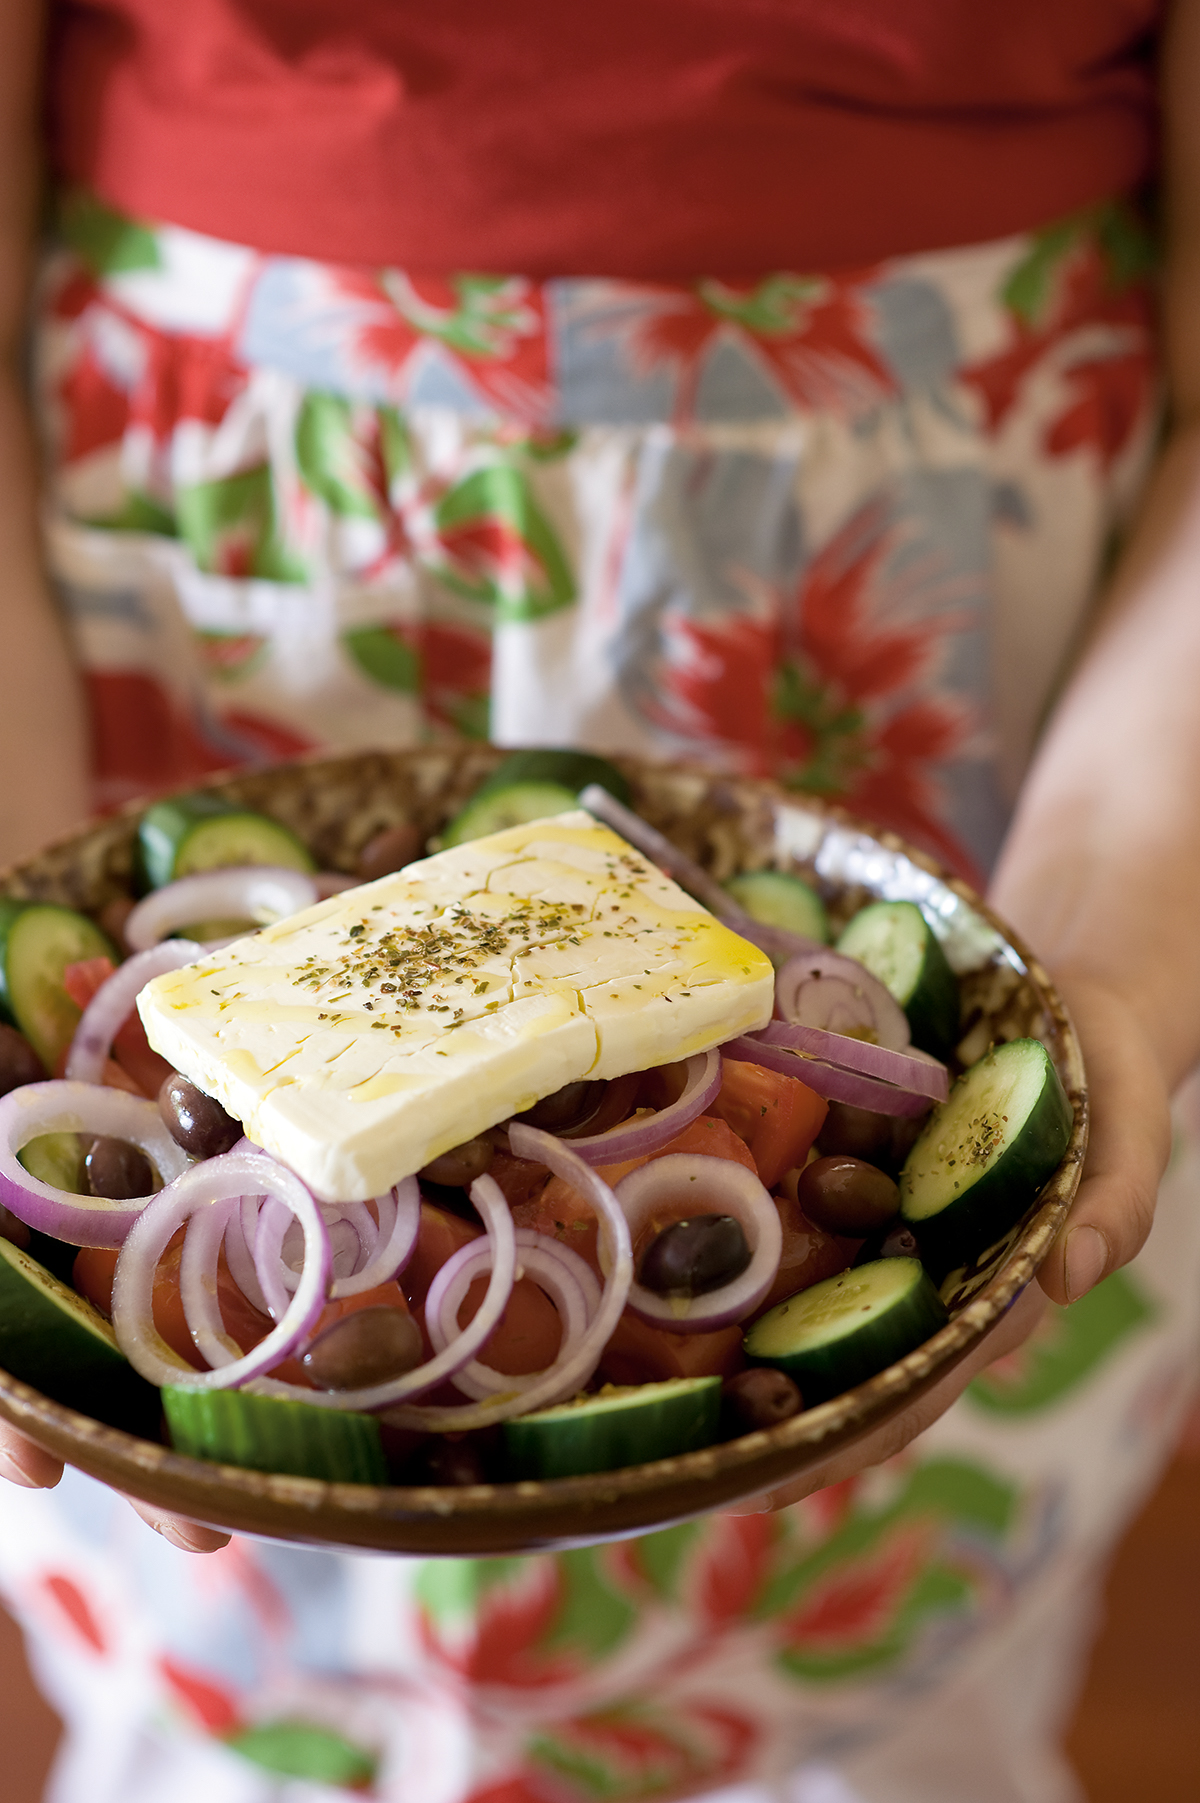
x: 368, y: 1347
x: 564, y: 1108
x: 691, y: 1257
x: 446, y: 1461
x: 113, y: 915
x: 461, y: 1164
x: 194, y: 1121
x: 19, y: 1063
x: 847, y: 1196
x: 389, y: 850
x: 759, y: 1399
x: 883, y: 1140
x: 894, y: 1242
x: 116, y: 1169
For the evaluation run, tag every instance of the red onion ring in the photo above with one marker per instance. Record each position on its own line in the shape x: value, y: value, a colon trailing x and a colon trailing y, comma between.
x: 569, y: 1282
x: 566, y: 1377
x: 384, y: 1246
x: 723, y: 1187
x: 243, y: 892
x: 57, y: 1106
x: 638, y: 1138
x: 488, y: 1198
x: 214, y: 1185
x: 914, y: 1070
x: 239, y: 1237
x: 777, y: 942
x: 827, y: 1079
x: 838, y: 994
x: 113, y: 1002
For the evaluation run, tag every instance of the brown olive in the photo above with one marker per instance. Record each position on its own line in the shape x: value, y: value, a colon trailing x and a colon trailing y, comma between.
x: 113, y: 915
x: 194, y: 1121
x: 692, y: 1257
x: 461, y: 1164
x: 389, y: 850
x: 897, y: 1241
x: 760, y: 1398
x: 367, y: 1347
x: 847, y: 1196
x: 116, y: 1169
x: 882, y: 1139
x: 564, y: 1108
x: 19, y: 1063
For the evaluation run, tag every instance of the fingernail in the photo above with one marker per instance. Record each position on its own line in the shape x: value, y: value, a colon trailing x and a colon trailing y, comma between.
x: 15, y: 1473
x: 187, y: 1538
x: 1086, y: 1261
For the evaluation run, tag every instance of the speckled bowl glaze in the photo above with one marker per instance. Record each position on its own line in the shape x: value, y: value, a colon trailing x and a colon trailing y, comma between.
x: 336, y: 806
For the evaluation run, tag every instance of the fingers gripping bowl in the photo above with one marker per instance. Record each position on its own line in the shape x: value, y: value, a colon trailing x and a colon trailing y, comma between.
x: 339, y: 809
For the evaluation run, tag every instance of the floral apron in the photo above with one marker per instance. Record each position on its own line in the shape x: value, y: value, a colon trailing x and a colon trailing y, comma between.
x: 840, y: 529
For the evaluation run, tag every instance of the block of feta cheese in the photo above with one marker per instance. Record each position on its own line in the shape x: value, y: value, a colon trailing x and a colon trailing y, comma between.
x: 361, y: 1038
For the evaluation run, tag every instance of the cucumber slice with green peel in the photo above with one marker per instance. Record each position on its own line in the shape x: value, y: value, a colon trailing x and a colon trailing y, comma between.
x: 841, y: 1331
x: 272, y: 1433
x: 620, y: 1425
x: 778, y: 899
x: 897, y: 944
x: 500, y: 808
x: 984, y: 1154
x: 58, y: 1343
x: 572, y: 770
x: 202, y: 832
x: 37, y: 942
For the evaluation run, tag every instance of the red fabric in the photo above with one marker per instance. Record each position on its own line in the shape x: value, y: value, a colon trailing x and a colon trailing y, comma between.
x: 637, y: 139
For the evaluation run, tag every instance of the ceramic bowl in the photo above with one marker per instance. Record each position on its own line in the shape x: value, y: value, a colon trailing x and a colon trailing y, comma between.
x: 337, y: 805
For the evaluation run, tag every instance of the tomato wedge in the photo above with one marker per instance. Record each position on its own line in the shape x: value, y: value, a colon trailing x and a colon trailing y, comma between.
x: 777, y: 1117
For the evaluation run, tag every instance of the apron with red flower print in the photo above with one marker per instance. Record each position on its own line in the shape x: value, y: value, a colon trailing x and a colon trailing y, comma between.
x: 839, y: 529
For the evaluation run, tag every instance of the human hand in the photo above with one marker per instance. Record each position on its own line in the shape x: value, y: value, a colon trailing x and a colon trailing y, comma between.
x: 27, y: 1464
x: 883, y: 1442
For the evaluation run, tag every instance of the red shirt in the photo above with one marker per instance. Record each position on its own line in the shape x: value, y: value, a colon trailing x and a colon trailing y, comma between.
x: 630, y: 138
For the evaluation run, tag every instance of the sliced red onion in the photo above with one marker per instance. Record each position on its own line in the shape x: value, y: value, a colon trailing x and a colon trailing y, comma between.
x: 827, y: 1079
x: 400, y: 1209
x: 828, y: 990
x: 638, y: 1138
x: 112, y: 1005
x: 366, y: 1252
x: 239, y: 1238
x: 720, y: 1186
x: 567, y: 1375
x: 488, y: 1198
x: 245, y: 892
x: 569, y: 1282
x: 911, y: 1069
x: 215, y: 1185
x: 57, y: 1106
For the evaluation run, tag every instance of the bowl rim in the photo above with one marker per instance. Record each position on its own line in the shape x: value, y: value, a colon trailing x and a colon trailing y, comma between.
x: 502, y: 1518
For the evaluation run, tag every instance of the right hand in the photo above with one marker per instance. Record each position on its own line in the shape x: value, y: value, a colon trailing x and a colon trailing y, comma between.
x: 22, y: 1462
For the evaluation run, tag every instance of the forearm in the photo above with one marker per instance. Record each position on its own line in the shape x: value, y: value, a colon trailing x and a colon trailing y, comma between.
x: 1101, y: 870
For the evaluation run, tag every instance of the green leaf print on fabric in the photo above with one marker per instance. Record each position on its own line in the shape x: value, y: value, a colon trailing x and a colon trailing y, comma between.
x: 1126, y: 246
x: 451, y: 1590
x: 230, y: 657
x: 498, y: 546
x: 592, y: 1614
x: 660, y: 1559
x: 487, y: 313
x: 383, y: 655
x: 639, y: 1750
x: 138, y: 513
x: 776, y: 308
x: 106, y: 241
x: 838, y: 750
x: 303, y: 1750
x: 231, y: 527
x: 1068, y: 1347
x: 331, y: 457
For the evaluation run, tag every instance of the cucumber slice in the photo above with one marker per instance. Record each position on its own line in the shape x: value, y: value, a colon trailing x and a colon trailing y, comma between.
x: 57, y: 1342
x: 984, y: 1154
x: 620, y: 1425
x: 203, y: 832
x: 37, y: 942
x: 272, y: 1433
x: 514, y: 806
x: 839, y: 1332
x: 781, y: 900
x: 897, y: 944
x: 572, y: 770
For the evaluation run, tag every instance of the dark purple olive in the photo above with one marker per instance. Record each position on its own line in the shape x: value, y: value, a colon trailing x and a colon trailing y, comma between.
x: 116, y: 1169
x: 883, y: 1140
x: 19, y: 1063
x: 846, y: 1196
x: 367, y: 1347
x: 113, y: 915
x: 692, y: 1257
x: 444, y: 1461
x: 759, y: 1399
x: 460, y: 1166
x: 565, y: 1107
x: 14, y: 1231
x: 894, y: 1242
x: 194, y: 1121
x: 389, y: 850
